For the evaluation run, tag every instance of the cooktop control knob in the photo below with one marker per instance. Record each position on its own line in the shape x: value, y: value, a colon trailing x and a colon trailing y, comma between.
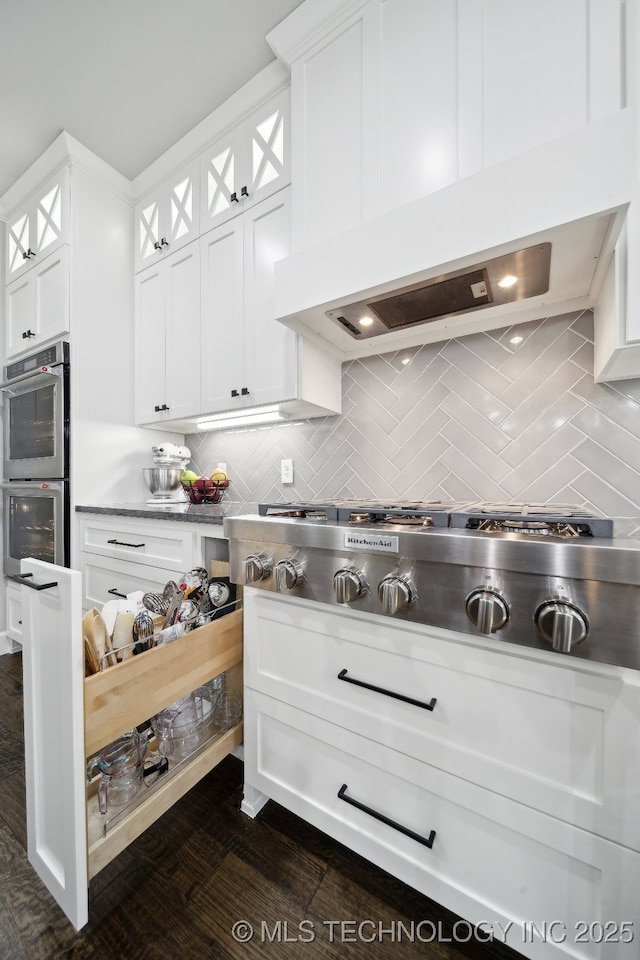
x: 289, y: 574
x: 257, y: 567
x: 349, y: 584
x: 395, y: 592
x: 487, y: 609
x: 561, y: 623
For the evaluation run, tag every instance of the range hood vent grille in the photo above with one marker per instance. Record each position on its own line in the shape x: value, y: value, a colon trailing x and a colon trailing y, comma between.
x: 459, y: 292
x: 454, y: 295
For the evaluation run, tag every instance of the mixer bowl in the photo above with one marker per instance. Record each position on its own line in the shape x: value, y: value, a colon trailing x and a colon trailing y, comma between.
x: 162, y: 481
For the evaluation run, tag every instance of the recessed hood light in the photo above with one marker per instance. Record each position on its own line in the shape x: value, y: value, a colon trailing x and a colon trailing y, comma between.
x: 514, y: 276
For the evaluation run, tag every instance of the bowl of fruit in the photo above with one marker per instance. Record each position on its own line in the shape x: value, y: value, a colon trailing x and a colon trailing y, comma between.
x: 202, y: 489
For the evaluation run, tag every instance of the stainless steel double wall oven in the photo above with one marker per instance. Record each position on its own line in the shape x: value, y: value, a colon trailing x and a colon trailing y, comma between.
x: 35, y: 397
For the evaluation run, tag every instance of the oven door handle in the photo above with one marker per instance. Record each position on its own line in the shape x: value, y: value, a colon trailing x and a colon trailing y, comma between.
x: 33, y: 485
x: 35, y: 378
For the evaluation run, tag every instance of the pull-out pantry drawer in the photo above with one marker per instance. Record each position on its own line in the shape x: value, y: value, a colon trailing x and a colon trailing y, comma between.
x: 126, y: 695
x: 490, y: 860
x: 70, y: 718
x: 165, y: 544
x: 545, y: 734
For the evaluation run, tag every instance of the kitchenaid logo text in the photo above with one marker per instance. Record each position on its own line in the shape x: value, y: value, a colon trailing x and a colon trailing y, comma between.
x: 366, y: 541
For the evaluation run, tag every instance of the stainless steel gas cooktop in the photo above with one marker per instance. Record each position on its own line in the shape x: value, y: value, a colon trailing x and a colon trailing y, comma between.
x: 547, y: 576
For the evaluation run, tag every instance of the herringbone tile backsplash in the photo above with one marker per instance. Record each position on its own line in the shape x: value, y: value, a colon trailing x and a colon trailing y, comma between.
x: 513, y: 414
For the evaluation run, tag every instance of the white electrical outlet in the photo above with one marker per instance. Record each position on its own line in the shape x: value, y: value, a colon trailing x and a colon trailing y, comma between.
x: 286, y: 471
x: 222, y: 466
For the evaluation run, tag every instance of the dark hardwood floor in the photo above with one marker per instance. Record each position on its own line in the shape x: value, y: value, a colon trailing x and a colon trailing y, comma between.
x: 179, y: 889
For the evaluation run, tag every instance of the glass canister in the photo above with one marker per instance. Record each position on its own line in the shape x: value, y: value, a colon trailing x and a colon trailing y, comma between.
x: 121, y: 764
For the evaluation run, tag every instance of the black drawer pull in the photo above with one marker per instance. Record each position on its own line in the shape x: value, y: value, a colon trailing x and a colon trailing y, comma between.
x: 116, y: 593
x: 121, y: 543
x: 388, y: 693
x: 24, y: 578
x: 426, y: 841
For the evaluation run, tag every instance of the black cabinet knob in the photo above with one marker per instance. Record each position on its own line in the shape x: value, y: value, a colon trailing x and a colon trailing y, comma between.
x: 244, y: 192
x: 234, y: 197
x: 234, y: 393
x: 28, y: 334
x: 245, y: 391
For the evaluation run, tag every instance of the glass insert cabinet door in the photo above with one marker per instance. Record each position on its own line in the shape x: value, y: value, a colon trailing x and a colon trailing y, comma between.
x: 247, y: 165
x: 39, y: 226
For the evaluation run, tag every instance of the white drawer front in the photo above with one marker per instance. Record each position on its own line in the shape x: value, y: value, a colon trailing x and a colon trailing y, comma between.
x: 105, y: 579
x: 165, y: 544
x: 544, y: 735
x: 492, y: 860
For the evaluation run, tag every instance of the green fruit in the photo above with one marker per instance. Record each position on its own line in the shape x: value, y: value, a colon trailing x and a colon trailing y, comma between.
x: 188, y: 477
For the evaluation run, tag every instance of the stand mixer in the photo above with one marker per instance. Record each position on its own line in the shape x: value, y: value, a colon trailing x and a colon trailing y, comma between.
x: 163, y: 479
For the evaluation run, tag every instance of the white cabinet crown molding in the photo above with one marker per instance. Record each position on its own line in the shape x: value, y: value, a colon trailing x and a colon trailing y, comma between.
x: 241, y: 103
x: 64, y: 149
x: 301, y: 30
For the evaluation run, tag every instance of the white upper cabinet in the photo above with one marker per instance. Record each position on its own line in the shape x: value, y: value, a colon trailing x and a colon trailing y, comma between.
x: 247, y: 358
x: 168, y: 218
x: 167, y: 348
x: 247, y: 164
x: 39, y: 226
x: 37, y: 304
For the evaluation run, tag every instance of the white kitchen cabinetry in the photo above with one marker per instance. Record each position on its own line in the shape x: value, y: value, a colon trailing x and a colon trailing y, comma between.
x: 122, y: 554
x: 37, y: 292
x: 167, y: 338
x: 247, y: 358
x: 168, y: 218
x: 502, y: 778
x: 14, y: 612
x: 395, y: 99
x: 37, y: 303
x: 247, y: 164
x: 39, y: 225
x: 69, y: 718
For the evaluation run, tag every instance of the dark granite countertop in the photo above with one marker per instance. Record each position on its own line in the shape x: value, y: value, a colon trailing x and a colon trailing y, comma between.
x: 213, y: 513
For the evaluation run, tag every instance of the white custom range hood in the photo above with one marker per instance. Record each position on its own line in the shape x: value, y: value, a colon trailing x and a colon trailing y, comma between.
x: 565, y: 201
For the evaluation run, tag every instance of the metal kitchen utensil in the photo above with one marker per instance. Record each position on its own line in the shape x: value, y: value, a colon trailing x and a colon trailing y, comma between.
x: 188, y: 612
x: 142, y: 632
x: 171, y: 615
x: 155, y: 602
x: 169, y: 592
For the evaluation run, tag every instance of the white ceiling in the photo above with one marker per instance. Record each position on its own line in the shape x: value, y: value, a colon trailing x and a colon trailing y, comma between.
x: 127, y: 78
